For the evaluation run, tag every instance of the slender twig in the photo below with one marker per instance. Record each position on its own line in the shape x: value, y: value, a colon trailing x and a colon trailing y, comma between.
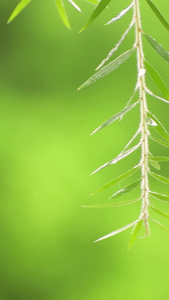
x: 143, y: 114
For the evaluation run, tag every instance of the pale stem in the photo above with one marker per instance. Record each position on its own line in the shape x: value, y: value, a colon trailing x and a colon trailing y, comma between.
x: 143, y: 114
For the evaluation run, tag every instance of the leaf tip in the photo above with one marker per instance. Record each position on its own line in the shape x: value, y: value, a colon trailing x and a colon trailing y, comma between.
x: 85, y: 26
x: 93, y: 172
x: 96, y: 241
x: 82, y: 29
x: 68, y: 26
x: 79, y: 88
x: 10, y: 20
x: 94, y: 131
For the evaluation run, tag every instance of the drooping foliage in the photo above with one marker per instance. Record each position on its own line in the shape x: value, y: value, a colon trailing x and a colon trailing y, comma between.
x: 150, y: 128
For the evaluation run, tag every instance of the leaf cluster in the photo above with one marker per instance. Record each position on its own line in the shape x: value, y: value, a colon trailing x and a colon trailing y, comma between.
x: 152, y: 121
x: 160, y: 135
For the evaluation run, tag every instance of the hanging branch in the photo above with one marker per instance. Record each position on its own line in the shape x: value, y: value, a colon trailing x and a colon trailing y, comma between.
x: 148, y: 121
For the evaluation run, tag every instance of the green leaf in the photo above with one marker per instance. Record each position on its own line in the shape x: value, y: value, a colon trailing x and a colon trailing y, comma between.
x: 158, y: 14
x: 126, y: 190
x: 115, y: 117
x: 119, y: 157
x: 159, y: 128
x: 161, y: 213
x: 108, y: 68
x: 159, y: 158
x: 159, y: 177
x: 74, y: 5
x: 156, y: 96
x: 22, y: 4
x: 160, y: 225
x: 117, y: 180
x: 97, y: 11
x: 114, y: 49
x: 110, y: 204
x: 159, y: 49
x: 121, y: 14
x: 94, y: 2
x: 117, y: 231
x: 155, y: 164
x: 159, y: 196
x: 62, y: 13
x: 135, y: 233
x: 163, y: 143
x: 157, y: 79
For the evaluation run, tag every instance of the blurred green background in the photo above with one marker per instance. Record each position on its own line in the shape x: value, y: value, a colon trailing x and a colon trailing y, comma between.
x: 46, y: 154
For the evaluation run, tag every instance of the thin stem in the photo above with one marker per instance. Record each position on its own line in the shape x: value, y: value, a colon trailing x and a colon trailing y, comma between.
x: 143, y: 114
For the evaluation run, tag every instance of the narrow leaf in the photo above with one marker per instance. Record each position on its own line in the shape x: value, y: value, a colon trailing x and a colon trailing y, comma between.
x: 97, y: 11
x: 125, y: 153
x: 160, y: 50
x: 94, y: 2
x: 159, y: 196
x: 111, y: 52
x: 108, y: 69
x: 110, y: 204
x: 155, y: 96
x: 121, y: 14
x: 159, y: 178
x: 117, y: 231
x: 118, y: 179
x: 157, y: 79
x: 160, y: 225
x: 159, y: 158
x: 115, y: 117
x: 154, y: 164
x: 126, y: 190
x: 22, y: 4
x: 158, y: 14
x: 74, y: 5
x: 163, y: 143
x: 132, y: 139
x: 62, y: 13
x: 159, y: 128
x: 118, y: 158
x: 161, y: 213
x: 135, y: 233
